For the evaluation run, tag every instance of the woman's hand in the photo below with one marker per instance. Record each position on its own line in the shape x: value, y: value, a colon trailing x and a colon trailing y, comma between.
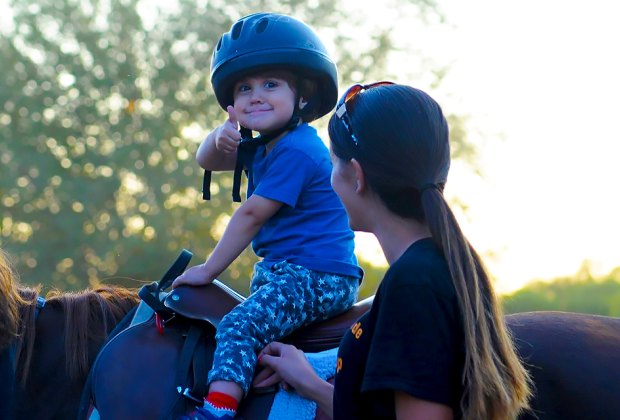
x: 286, y: 364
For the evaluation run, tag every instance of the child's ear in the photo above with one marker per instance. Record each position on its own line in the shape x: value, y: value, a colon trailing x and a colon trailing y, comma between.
x: 302, y: 103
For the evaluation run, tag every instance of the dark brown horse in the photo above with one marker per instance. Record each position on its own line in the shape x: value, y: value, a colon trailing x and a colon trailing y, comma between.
x: 574, y: 359
x: 46, y: 349
x: 157, y: 369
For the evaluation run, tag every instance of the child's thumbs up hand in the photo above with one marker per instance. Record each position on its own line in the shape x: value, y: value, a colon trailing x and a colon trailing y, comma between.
x: 228, y: 135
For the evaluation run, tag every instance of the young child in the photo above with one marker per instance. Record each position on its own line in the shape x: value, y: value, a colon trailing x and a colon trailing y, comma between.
x: 273, y: 75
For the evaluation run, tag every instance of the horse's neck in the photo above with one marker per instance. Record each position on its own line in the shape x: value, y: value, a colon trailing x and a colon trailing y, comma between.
x: 25, y: 344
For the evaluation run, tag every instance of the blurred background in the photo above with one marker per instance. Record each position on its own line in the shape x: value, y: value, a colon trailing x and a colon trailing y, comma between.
x: 103, y: 104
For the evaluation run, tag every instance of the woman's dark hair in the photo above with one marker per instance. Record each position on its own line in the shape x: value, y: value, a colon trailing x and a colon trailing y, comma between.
x: 394, y: 169
x: 404, y: 150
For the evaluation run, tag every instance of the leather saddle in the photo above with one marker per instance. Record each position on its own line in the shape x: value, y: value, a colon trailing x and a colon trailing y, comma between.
x: 212, y: 302
x: 157, y: 367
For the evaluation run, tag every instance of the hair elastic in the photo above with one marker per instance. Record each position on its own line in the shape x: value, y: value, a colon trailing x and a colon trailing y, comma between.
x: 428, y: 187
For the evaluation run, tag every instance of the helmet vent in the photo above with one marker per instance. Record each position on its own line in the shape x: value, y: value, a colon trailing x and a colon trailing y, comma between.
x: 236, y: 30
x: 262, y: 25
x: 219, y: 45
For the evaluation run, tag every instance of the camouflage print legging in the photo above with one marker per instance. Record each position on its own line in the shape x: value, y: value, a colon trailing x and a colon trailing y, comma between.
x: 283, y: 298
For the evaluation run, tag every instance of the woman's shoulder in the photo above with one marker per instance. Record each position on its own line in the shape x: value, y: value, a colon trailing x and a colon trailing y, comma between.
x: 421, y: 265
x: 422, y: 254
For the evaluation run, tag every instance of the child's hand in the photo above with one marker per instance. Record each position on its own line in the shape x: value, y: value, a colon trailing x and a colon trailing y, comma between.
x: 194, y: 276
x: 228, y: 135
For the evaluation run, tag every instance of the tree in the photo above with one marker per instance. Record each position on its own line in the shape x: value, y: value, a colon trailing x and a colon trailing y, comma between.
x: 103, y: 106
x: 579, y: 293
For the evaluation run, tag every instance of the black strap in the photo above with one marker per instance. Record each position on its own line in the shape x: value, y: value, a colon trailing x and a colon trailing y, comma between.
x: 206, y: 186
x: 200, y: 367
x: 245, y: 157
x: 176, y: 269
x: 236, y: 194
x: 150, y: 293
x: 194, y: 353
x: 188, y: 353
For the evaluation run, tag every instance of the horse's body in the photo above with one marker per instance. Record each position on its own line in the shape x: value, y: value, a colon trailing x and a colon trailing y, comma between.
x: 574, y: 360
x: 147, y: 362
x: 57, y: 344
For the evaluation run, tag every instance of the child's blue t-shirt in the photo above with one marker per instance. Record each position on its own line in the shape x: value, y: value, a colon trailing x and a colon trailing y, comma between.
x: 311, y: 228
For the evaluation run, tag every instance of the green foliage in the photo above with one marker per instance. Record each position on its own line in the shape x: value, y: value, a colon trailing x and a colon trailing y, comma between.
x: 372, y: 277
x: 103, y: 104
x: 581, y: 293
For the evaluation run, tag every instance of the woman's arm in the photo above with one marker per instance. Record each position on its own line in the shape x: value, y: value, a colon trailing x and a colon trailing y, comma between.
x: 287, y: 364
x: 412, y: 408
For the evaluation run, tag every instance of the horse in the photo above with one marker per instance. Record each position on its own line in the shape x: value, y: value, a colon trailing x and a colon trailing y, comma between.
x: 48, y: 345
x: 574, y: 362
x: 573, y: 359
x: 157, y: 367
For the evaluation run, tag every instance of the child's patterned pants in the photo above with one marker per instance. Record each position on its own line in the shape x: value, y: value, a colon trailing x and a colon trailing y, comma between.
x: 283, y: 298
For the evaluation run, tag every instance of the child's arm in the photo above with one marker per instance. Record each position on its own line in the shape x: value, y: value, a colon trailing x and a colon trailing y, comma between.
x: 243, y: 226
x: 218, y: 152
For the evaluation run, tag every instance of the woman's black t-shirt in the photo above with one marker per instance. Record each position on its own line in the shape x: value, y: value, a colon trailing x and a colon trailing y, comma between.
x: 411, y: 340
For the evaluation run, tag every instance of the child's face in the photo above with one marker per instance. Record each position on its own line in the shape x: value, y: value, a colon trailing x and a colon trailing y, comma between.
x: 263, y: 103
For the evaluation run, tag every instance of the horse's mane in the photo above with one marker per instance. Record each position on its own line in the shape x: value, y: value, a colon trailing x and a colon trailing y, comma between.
x: 90, y: 315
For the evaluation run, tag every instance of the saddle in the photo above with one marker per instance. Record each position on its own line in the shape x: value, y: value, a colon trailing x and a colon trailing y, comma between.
x: 157, y: 367
x: 212, y: 302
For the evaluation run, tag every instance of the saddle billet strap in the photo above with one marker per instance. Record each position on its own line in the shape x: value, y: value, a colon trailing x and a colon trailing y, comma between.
x: 153, y: 294
x: 194, y: 354
x: 176, y: 269
x: 190, y: 347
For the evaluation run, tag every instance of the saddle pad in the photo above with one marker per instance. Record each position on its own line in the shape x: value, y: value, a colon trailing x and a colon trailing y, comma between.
x: 289, y: 404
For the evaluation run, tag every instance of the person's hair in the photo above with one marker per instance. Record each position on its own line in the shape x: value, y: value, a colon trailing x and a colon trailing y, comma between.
x: 303, y: 87
x: 403, y: 149
x: 10, y: 301
x: 17, y: 309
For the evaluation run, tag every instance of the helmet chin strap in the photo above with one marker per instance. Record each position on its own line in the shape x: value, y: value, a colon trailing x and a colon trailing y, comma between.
x: 245, y: 155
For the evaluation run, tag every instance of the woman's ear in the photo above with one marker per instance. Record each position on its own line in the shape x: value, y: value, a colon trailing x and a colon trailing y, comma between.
x: 360, y: 179
x: 302, y: 103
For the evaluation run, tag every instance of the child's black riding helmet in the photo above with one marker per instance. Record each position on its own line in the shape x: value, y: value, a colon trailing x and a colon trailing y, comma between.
x: 268, y: 40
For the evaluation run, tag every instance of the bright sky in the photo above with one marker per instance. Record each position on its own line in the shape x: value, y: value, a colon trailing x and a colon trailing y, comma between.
x: 541, y: 82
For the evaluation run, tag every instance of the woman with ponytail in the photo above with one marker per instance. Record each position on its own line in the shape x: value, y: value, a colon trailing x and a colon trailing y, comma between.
x: 434, y: 344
